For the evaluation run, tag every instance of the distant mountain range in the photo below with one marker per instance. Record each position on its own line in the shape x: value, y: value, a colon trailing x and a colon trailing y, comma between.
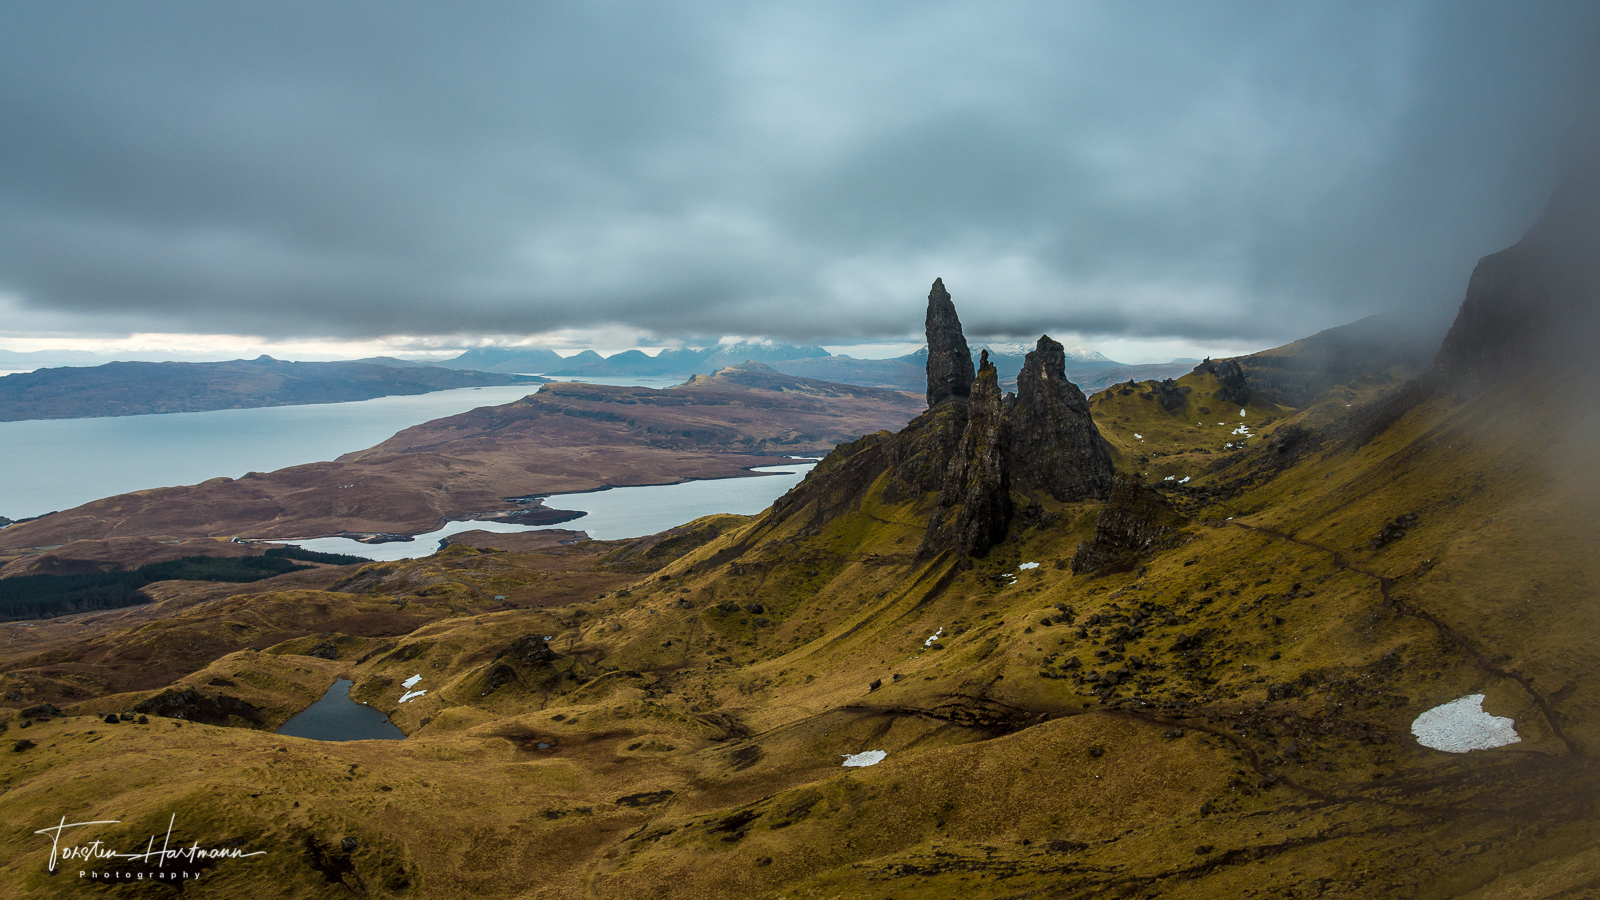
x: 1090, y: 369
x: 677, y: 362
x: 85, y: 385
x: 139, y: 388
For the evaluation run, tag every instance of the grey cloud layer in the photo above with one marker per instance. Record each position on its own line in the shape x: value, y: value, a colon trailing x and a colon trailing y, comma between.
x: 1240, y: 171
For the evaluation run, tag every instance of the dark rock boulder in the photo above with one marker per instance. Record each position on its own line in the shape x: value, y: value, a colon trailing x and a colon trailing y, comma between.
x: 1169, y: 394
x: 949, y: 361
x: 194, y: 706
x: 975, y: 503
x: 1134, y: 522
x: 324, y: 650
x: 1055, y: 446
x: 1393, y: 530
x: 528, y: 650
x: 528, y: 660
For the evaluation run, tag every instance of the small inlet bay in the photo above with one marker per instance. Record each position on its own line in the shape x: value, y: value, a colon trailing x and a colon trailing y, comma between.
x: 613, y: 514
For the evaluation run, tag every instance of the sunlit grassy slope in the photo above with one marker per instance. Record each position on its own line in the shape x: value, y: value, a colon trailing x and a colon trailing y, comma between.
x: 1228, y: 719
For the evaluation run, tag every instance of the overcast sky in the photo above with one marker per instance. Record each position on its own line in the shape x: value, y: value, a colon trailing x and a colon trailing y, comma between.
x: 1230, y: 175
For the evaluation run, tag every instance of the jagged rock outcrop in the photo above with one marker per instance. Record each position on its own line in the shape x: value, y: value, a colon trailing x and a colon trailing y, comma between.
x: 1134, y: 522
x: 1169, y: 394
x: 188, y: 703
x: 949, y: 361
x: 1055, y: 446
x: 528, y: 660
x: 975, y: 503
x: 1235, y: 388
x: 970, y: 448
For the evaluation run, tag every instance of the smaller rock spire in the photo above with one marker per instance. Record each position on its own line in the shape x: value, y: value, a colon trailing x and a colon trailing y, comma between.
x: 975, y: 505
x: 1055, y: 445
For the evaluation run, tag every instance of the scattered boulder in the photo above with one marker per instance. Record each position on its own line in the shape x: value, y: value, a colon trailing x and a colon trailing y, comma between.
x: 194, y: 706
x: 324, y: 650
x: 1393, y: 530
x: 1169, y: 394
x: 648, y: 798
x: 1135, y: 521
x: 528, y: 660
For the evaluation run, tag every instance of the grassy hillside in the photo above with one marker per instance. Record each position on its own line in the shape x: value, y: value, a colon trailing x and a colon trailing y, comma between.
x: 1228, y: 717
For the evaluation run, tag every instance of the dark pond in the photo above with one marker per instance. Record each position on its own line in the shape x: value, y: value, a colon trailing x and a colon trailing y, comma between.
x: 338, y: 718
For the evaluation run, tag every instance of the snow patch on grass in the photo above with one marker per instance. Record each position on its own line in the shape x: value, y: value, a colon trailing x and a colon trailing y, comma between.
x: 412, y: 695
x: 936, y: 634
x: 1462, y: 725
x: 411, y: 682
x: 867, y: 758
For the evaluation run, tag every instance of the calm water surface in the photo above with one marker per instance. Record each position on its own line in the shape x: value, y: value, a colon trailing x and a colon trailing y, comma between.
x: 610, y: 515
x: 338, y: 718
x: 61, y: 463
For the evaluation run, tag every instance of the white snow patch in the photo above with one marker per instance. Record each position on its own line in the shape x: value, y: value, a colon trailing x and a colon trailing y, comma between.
x: 867, y: 758
x: 1138, y: 436
x: 1170, y: 478
x: 1462, y: 725
x: 1184, y: 479
x: 1241, y: 413
x: 412, y: 695
x: 1028, y: 566
x: 936, y: 634
x: 411, y: 682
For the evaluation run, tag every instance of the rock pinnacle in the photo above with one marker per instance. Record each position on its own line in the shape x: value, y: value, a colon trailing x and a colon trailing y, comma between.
x: 950, y: 371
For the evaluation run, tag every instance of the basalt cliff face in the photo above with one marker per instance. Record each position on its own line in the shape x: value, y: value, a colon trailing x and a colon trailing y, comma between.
x: 1534, y: 306
x: 974, y: 447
